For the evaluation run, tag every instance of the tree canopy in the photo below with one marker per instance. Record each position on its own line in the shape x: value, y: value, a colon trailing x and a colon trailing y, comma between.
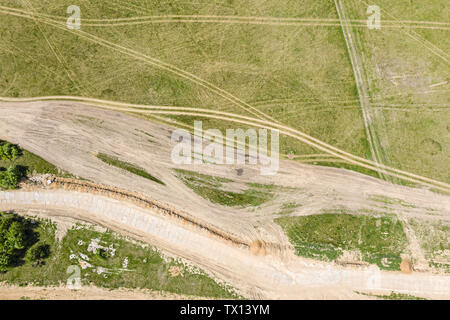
x: 10, y: 178
x: 9, y: 151
x: 13, y: 238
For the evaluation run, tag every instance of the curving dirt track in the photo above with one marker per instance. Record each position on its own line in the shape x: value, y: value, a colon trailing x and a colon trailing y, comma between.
x: 276, y: 21
x: 87, y: 293
x: 320, y: 145
x: 68, y: 134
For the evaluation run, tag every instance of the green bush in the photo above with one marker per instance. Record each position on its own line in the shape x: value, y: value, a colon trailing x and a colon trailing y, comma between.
x: 9, y: 151
x: 13, y: 238
x: 37, y: 253
x: 10, y: 178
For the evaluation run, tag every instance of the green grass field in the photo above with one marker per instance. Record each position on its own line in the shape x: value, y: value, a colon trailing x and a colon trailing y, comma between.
x: 407, y: 73
x: 434, y: 239
x: 378, y: 240
x: 145, y: 268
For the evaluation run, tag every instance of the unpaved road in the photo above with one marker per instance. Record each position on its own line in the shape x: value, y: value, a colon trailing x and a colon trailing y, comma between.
x: 266, y: 277
x: 218, y: 115
x: 68, y: 134
x: 86, y: 293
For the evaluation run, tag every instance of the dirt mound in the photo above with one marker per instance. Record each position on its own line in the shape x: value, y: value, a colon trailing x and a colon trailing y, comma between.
x: 406, y: 266
x: 257, y: 248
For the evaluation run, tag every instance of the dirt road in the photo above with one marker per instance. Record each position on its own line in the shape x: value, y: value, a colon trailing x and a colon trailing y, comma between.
x: 256, y: 277
x: 86, y: 293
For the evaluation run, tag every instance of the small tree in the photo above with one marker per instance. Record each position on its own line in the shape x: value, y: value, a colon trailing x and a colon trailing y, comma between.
x: 5, y: 261
x: 13, y: 239
x: 104, y: 254
x: 37, y: 253
x: 15, y: 236
x: 9, y: 151
x: 9, y: 179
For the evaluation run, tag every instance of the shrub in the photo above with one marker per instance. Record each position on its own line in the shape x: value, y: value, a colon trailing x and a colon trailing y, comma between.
x: 13, y: 238
x: 38, y: 253
x: 9, y: 151
x: 9, y: 179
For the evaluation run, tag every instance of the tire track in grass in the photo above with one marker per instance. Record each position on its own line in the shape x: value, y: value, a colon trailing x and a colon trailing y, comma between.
x: 358, y: 71
x: 426, y: 43
x: 418, y: 24
x: 152, y: 61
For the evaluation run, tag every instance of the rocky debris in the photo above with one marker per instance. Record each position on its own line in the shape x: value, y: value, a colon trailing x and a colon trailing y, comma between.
x: 43, y: 179
x: 95, y: 245
x: 175, y: 271
x: 125, y: 263
x: 84, y: 264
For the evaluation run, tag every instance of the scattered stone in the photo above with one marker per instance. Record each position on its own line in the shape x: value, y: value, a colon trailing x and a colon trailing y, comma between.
x: 125, y: 263
x: 84, y: 264
x: 175, y: 271
x: 85, y: 257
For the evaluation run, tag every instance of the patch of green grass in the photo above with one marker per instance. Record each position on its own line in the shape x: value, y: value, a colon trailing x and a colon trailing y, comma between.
x: 388, y: 200
x: 268, y: 187
x: 399, y: 296
x: 146, y: 267
x: 347, y: 166
x: 113, y: 161
x: 440, y: 266
x: 380, y: 240
x: 89, y: 121
x: 203, y: 178
x: 434, y: 240
x: 288, y: 207
x: 209, y: 187
x: 32, y: 163
x: 393, y: 296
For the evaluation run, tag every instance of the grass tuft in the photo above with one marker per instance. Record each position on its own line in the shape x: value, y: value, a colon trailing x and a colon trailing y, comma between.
x: 113, y: 161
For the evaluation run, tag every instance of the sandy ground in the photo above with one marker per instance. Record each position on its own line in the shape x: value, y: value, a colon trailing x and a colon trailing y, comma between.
x: 85, y: 293
x: 69, y: 134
